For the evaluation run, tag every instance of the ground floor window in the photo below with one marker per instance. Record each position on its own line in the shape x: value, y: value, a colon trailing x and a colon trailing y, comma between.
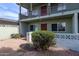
x: 59, y: 27
x: 54, y: 27
x: 32, y: 27
x: 62, y: 26
x: 43, y: 26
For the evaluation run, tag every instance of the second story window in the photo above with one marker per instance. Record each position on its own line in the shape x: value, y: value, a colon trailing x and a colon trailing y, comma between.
x: 61, y: 6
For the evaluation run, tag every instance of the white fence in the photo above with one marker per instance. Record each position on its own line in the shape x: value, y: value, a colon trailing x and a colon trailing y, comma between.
x: 69, y: 41
x: 67, y: 36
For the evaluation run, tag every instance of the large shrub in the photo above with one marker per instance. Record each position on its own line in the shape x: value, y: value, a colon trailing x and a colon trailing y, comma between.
x: 43, y: 39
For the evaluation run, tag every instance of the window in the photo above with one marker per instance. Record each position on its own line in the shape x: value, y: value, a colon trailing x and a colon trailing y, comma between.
x: 59, y: 27
x: 32, y: 27
x: 43, y: 26
x: 61, y: 7
x: 54, y: 27
x: 54, y: 7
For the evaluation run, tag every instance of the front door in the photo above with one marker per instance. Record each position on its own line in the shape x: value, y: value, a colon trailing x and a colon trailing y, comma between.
x: 43, y: 26
x: 43, y: 10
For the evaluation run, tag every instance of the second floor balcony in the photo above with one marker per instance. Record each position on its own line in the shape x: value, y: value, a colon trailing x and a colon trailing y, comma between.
x: 44, y: 9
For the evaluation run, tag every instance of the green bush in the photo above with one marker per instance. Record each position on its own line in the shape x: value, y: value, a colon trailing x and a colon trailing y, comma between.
x: 43, y: 39
x: 12, y: 35
x: 15, y: 36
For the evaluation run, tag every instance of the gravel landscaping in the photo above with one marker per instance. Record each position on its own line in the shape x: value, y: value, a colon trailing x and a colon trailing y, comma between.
x: 18, y: 47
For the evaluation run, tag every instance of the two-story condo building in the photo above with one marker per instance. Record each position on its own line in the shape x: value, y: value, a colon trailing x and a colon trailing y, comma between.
x: 61, y: 18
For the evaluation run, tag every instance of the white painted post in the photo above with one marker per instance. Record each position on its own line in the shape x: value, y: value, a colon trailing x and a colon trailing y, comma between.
x: 30, y: 37
x: 75, y: 23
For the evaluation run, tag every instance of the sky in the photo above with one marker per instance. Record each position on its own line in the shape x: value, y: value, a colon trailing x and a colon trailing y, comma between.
x: 10, y: 11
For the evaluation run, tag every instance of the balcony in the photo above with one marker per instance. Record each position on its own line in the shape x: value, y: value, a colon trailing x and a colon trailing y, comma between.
x: 37, y: 11
x: 52, y: 9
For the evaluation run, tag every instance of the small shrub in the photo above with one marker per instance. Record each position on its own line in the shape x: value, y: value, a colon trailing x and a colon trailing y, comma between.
x: 43, y: 39
x: 15, y: 36
x: 12, y: 35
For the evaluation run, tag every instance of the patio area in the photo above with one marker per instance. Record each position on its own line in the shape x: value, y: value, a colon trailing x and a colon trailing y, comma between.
x: 19, y: 47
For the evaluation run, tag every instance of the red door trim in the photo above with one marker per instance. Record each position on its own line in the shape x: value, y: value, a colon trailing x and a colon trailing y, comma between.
x: 43, y: 10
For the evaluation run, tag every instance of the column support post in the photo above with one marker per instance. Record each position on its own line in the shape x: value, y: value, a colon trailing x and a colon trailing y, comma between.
x: 75, y: 23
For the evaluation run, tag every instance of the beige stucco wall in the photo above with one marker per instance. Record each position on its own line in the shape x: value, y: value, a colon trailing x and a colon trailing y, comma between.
x: 57, y: 20
x: 5, y: 32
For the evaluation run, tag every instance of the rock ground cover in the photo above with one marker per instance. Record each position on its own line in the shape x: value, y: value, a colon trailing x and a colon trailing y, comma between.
x: 18, y: 47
